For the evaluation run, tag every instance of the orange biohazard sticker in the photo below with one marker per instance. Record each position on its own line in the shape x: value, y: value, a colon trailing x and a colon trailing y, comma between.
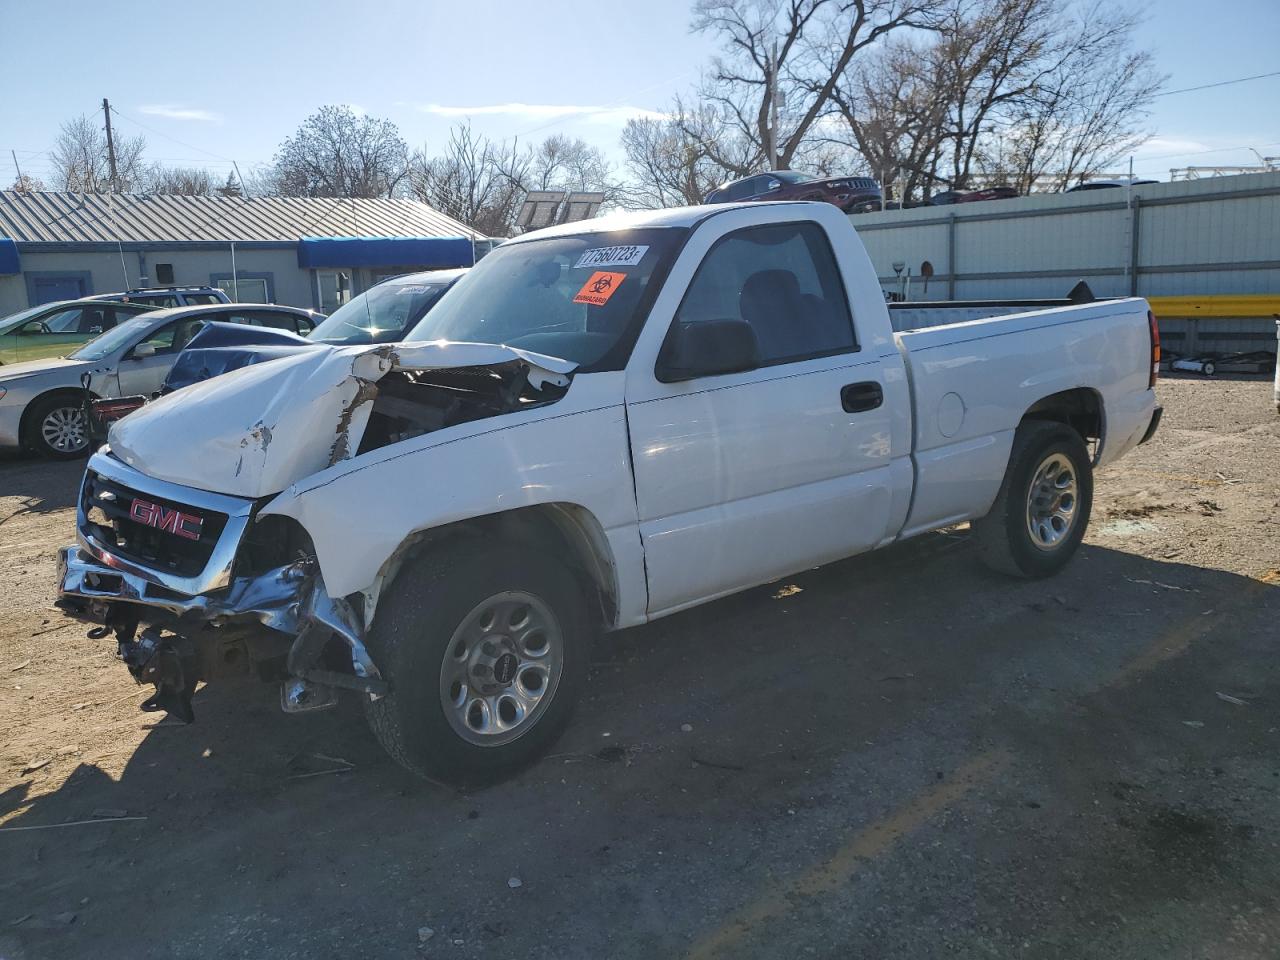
x: 597, y: 290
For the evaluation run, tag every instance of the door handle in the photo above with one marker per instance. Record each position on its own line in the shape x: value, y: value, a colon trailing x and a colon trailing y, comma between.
x: 856, y: 397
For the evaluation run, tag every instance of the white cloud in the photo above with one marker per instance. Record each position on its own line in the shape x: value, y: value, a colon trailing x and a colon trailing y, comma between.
x: 615, y: 115
x: 174, y: 112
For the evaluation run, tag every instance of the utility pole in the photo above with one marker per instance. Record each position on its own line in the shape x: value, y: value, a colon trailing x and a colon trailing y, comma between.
x: 773, y: 107
x: 111, y: 147
x: 14, y: 154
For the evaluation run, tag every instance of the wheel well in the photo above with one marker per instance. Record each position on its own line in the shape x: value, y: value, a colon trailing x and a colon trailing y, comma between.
x: 26, y: 425
x: 1081, y: 409
x: 566, y: 531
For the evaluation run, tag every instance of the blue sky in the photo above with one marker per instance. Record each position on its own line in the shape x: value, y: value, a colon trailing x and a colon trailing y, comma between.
x: 209, y: 82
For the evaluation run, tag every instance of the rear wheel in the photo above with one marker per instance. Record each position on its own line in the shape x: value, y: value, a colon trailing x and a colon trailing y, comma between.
x: 1040, y: 515
x: 486, y: 653
x: 56, y: 427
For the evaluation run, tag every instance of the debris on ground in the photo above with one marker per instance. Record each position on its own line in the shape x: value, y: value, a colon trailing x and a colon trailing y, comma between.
x: 1228, y: 698
x: 514, y: 882
x: 35, y: 765
x: 686, y: 728
x: 425, y: 934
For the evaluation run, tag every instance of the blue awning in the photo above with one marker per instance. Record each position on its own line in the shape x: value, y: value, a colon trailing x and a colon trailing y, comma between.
x: 314, y: 252
x: 9, y: 256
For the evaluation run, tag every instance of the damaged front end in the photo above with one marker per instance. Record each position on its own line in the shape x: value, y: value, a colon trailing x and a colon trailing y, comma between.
x: 181, y: 615
x: 195, y: 584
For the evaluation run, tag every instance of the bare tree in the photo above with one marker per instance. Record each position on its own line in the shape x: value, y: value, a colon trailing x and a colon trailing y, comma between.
x: 337, y: 153
x: 231, y: 187
x: 565, y: 163
x: 472, y: 180
x: 1004, y: 90
x: 1086, y: 112
x: 181, y: 181
x: 483, y: 183
x: 678, y: 160
x: 26, y: 183
x: 81, y: 163
x: 808, y: 44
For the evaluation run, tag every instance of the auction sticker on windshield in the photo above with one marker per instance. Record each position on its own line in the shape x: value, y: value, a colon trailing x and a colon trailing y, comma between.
x: 597, y: 290
x: 627, y: 256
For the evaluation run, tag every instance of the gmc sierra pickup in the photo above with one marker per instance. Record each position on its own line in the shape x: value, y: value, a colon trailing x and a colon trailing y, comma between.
x: 604, y: 423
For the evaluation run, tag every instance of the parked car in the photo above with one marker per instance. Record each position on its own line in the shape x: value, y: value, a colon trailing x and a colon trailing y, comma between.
x: 52, y: 329
x: 605, y: 423
x: 1107, y: 185
x: 42, y: 401
x: 379, y: 315
x: 948, y: 197
x: 169, y: 296
x: 384, y: 312
x: 850, y: 194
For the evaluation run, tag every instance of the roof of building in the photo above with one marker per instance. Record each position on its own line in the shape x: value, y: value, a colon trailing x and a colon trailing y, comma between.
x: 53, y: 217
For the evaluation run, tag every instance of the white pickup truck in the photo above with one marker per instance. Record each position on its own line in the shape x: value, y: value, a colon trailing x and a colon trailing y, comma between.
x: 602, y: 424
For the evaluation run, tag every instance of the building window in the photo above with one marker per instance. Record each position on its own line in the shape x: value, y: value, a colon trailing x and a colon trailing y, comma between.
x: 164, y: 274
x: 247, y: 287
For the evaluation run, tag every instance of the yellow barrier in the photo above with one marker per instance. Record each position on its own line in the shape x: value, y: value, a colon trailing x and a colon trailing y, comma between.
x: 1230, y: 306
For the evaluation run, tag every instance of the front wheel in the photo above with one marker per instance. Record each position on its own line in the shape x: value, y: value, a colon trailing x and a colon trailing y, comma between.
x: 486, y: 653
x: 1040, y: 515
x: 57, y: 427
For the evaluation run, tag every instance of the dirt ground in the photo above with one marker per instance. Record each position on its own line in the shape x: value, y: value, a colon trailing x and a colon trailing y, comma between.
x: 897, y: 756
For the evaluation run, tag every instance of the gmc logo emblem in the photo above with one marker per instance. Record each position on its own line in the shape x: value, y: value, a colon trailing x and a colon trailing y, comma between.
x: 168, y: 519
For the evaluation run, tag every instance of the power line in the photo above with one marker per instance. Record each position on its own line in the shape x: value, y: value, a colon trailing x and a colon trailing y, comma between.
x: 1220, y: 83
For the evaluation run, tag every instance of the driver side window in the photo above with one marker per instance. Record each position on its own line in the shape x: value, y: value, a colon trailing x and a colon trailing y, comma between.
x: 782, y: 279
x: 64, y: 321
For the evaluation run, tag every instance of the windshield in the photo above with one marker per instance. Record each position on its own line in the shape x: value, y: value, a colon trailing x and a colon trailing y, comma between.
x: 382, y: 313
x: 114, y: 339
x: 580, y: 298
x: 16, y: 319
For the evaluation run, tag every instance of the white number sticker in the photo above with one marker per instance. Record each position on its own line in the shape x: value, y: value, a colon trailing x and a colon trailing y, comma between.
x: 612, y: 257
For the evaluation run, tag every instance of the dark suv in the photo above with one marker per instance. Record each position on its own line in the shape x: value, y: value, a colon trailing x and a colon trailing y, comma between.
x: 850, y: 194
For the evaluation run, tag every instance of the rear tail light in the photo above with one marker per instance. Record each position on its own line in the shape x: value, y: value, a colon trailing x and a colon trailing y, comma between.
x: 1155, y: 349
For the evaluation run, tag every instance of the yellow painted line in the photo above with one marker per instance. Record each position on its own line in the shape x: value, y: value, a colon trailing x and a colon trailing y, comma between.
x: 1228, y: 306
x: 864, y: 845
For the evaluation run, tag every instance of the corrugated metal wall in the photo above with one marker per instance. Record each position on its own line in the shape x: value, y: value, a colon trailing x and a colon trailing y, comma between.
x: 1211, y: 236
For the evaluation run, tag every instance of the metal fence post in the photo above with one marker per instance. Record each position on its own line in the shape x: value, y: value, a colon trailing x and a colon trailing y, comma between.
x: 1133, y: 245
x: 951, y: 256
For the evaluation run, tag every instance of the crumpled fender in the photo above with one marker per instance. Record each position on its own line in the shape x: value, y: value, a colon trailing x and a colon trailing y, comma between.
x: 254, y: 431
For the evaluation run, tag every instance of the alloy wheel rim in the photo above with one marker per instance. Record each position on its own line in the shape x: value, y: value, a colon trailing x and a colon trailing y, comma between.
x: 1052, y: 502
x: 501, y: 668
x: 63, y: 429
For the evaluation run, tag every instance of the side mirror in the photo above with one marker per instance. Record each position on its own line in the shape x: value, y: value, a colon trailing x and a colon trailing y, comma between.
x: 773, y: 185
x: 707, y: 348
x: 142, y: 351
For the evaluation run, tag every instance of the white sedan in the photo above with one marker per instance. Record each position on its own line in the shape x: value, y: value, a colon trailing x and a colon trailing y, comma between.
x: 42, y: 401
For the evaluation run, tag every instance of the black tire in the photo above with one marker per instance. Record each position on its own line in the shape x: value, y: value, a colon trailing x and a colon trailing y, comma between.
x: 1005, y: 540
x: 413, y: 632
x: 65, y: 405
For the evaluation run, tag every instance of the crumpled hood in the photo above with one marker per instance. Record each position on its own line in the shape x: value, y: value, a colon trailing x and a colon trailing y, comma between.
x: 254, y: 431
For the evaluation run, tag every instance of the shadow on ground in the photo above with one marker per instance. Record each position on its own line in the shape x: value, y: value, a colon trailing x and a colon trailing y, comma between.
x: 1132, y: 811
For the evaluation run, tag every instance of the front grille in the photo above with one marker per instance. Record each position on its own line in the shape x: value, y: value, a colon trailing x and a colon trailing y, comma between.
x: 107, y: 507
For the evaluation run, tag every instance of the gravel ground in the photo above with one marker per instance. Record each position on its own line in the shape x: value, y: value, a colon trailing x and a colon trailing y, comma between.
x: 899, y: 755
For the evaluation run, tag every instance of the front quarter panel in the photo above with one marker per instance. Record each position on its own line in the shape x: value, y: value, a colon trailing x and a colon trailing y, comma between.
x: 576, y: 453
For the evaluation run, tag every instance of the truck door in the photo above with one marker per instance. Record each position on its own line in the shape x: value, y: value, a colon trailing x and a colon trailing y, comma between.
x: 743, y: 477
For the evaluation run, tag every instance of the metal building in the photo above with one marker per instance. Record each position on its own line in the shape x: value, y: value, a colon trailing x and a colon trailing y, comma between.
x: 1194, y: 248
x: 307, y: 252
